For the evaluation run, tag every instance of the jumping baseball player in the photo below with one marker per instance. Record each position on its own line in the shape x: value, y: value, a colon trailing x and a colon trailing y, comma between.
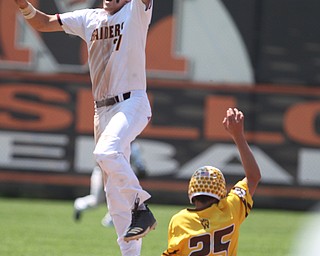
x: 212, y: 227
x: 116, y: 37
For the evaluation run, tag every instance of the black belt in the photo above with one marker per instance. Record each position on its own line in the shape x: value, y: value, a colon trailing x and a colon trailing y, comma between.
x: 112, y: 101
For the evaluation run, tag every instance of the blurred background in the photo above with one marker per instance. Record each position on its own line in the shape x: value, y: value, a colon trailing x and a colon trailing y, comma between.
x: 203, y: 56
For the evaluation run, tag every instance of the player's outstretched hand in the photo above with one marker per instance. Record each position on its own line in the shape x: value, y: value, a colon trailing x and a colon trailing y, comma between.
x: 234, y: 122
x: 21, y: 3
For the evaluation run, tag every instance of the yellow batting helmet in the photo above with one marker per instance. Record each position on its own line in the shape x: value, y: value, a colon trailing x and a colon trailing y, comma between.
x: 208, y: 181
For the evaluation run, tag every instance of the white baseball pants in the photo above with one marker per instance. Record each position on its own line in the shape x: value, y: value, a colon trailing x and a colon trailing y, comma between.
x: 115, y: 128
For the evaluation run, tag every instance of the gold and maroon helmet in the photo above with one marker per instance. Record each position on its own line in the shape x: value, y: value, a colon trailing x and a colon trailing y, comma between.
x: 208, y: 181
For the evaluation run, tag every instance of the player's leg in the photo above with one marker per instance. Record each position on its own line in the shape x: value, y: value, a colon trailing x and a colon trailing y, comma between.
x: 127, y: 120
x: 121, y: 219
x: 107, y: 219
x: 95, y: 197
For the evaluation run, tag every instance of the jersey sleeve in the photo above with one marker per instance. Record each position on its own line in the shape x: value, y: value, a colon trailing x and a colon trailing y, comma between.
x: 173, y: 241
x: 241, y: 199
x: 74, y: 23
x: 141, y: 11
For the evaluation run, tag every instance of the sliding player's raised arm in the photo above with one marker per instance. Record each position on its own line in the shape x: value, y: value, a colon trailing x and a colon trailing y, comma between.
x: 234, y: 124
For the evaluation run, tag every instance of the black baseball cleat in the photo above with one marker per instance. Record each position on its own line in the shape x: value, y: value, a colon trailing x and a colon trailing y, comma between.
x: 142, y: 223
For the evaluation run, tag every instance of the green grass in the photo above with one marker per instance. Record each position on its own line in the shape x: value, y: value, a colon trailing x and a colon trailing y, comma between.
x: 269, y: 232
x: 47, y: 228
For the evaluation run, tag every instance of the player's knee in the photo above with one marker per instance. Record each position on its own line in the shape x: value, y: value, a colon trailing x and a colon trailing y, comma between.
x: 105, y: 157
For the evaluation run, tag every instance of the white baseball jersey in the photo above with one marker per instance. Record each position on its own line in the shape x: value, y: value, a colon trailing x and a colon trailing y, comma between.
x: 114, y: 67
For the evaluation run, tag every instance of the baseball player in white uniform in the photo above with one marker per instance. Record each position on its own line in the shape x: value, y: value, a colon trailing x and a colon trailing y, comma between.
x: 116, y: 38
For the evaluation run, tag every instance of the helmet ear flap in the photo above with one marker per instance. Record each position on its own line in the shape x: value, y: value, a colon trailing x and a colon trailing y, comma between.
x: 209, y: 181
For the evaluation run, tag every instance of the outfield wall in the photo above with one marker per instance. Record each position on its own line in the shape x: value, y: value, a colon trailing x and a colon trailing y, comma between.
x: 46, y: 134
x: 260, y: 56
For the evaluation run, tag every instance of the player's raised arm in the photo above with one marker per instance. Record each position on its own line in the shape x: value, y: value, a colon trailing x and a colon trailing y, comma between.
x: 234, y: 124
x: 38, y: 20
